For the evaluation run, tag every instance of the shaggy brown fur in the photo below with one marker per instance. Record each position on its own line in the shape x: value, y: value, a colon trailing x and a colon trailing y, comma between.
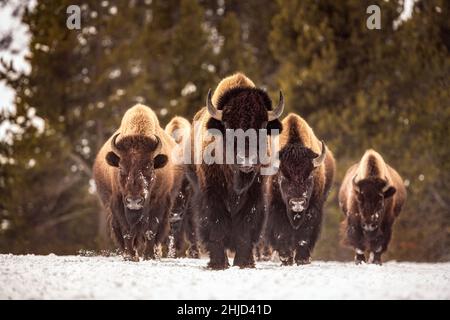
x: 182, y: 223
x: 370, y: 203
x: 289, y: 229
x: 137, y: 172
x: 230, y: 206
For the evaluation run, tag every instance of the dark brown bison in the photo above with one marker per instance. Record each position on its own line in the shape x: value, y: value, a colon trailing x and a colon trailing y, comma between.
x: 230, y: 206
x: 183, y: 229
x: 297, y: 192
x: 371, y: 196
x: 134, y: 177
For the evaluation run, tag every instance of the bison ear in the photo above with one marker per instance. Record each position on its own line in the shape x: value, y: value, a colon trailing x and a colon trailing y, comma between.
x: 112, y: 159
x: 389, y: 192
x: 215, y: 124
x: 274, y: 125
x: 160, y: 161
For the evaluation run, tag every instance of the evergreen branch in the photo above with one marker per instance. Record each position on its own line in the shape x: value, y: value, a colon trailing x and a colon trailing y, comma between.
x: 82, y: 163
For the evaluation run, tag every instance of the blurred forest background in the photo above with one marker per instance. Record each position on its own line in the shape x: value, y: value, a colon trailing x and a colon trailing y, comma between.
x: 358, y: 88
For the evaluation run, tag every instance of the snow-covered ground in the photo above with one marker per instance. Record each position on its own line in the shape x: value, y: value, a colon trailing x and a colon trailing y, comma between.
x: 77, y: 277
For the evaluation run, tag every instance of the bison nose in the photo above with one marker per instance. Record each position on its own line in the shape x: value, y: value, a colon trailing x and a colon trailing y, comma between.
x: 134, y: 203
x: 297, y: 205
x: 369, y: 226
x: 249, y: 161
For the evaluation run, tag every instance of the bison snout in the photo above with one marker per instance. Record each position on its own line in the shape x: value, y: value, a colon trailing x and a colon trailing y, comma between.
x: 134, y: 203
x: 297, y: 205
x: 244, y: 161
x: 369, y: 226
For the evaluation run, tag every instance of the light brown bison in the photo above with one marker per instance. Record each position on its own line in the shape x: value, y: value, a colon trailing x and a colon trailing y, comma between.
x: 182, y: 222
x: 371, y: 196
x: 297, y: 192
x: 230, y: 197
x: 134, y: 176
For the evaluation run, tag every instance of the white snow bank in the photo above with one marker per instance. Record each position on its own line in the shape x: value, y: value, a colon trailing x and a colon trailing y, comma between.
x: 75, y: 277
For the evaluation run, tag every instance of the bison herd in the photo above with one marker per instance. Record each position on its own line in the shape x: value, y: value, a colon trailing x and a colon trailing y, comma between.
x: 153, y: 200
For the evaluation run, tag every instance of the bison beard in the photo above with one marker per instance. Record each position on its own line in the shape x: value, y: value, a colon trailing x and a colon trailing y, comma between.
x: 290, y: 242
x: 138, y: 231
x: 230, y: 220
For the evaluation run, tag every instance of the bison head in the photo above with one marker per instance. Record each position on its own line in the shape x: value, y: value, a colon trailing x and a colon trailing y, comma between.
x: 370, y: 195
x: 245, y: 110
x: 137, y: 157
x: 296, y: 179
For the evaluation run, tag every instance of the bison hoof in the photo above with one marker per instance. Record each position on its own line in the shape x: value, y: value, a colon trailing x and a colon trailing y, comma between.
x: 193, y: 254
x: 303, y: 261
x: 245, y: 265
x: 217, y: 266
x: 131, y: 258
x: 287, y: 262
x: 264, y: 258
x: 375, y: 258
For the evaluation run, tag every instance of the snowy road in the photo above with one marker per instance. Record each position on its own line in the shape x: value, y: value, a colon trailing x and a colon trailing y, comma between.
x: 76, y: 277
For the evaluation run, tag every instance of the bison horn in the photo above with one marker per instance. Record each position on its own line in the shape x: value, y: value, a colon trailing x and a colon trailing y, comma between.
x: 386, y: 187
x: 114, y: 144
x: 321, y: 158
x: 213, y: 112
x: 276, y: 113
x: 355, y: 186
x: 158, y: 145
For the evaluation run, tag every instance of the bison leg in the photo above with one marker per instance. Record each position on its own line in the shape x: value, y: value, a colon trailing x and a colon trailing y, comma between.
x: 242, y: 235
x: 118, y: 236
x: 263, y: 252
x: 125, y: 241
x: 217, y: 256
x: 379, y: 245
x: 375, y: 255
x: 129, y: 253
x: 375, y: 258
x: 359, y: 256
x: 355, y: 238
x: 244, y: 255
x: 193, y: 251
x: 307, y: 236
x: 214, y: 225
x: 247, y: 228
x: 286, y: 257
x: 149, y: 250
x: 302, y: 254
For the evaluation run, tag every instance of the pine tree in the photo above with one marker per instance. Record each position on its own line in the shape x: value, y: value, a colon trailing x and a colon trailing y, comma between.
x: 380, y: 89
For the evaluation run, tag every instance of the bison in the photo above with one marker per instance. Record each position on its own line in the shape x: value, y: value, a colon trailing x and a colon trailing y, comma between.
x: 371, y: 196
x: 229, y: 199
x: 134, y: 177
x: 297, y: 192
x: 182, y: 223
